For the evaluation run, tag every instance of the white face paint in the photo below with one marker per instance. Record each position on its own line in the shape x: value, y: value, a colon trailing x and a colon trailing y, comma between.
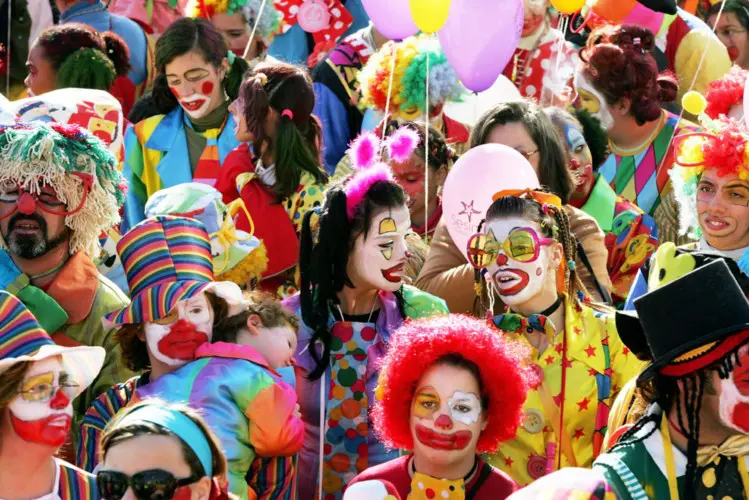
x: 593, y: 101
x: 517, y: 282
x: 465, y: 407
x: 734, y: 395
x: 378, y: 261
x: 174, y: 339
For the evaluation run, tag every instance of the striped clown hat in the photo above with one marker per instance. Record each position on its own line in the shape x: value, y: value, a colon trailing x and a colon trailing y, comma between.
x: 23, y: 339
x: 167, y: 259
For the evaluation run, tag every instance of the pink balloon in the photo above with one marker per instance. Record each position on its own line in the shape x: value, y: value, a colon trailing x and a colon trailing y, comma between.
x: 474, y: 179
x: 480, y: 37
x: 645, y: 18
x: 392, y: 18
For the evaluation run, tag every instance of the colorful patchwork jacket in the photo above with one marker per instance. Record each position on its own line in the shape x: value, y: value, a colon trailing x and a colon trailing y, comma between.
x: 156, y: 157
x: 244, y: 402
x: 631, y: 236
x: 416, y: 304
x: 597, y: 365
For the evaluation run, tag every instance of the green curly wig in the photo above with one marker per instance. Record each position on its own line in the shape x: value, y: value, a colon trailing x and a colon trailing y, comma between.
x: 86, y: 69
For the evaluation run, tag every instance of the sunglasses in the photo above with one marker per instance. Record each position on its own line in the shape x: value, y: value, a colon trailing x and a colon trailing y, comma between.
x: 147, y: 484
x: 521, y: 245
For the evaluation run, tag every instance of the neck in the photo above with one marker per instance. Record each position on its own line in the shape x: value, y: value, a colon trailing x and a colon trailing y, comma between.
x: 539, y: 340
x: 30, y: 474
x: 579, y: 200
x: 354, y: 301
x: 451, y: 472
x: 41, y: 265
x: 630, y: 135
x: 158, y: 368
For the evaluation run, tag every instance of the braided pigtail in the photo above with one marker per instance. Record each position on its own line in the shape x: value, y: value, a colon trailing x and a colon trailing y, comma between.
x: 573, y: 283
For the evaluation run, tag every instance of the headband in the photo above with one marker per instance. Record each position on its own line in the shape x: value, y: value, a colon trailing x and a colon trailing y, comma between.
x: 178, y: 423
x: 538, y: 196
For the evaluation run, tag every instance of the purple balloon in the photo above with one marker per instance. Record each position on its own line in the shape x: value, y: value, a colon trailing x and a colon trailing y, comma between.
x: 392, y: 18
x: 480, y: 37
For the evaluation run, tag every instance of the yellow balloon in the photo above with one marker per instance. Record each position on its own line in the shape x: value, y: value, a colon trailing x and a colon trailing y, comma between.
x: 568, y: 6
x: 429, y: 15
x: 693, y: 102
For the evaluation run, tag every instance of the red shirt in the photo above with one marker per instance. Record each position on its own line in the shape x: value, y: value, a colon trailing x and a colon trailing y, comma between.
x: 486, y: 483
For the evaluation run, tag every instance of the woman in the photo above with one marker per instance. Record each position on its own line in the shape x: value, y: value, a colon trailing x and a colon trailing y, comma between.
x: 619, y: 84
x: 731, y: 28
x: 526, y: 253
x: 184, y: 458
x: 438, y: 385
x: 524, y: 127
x: 284, y: 178
x: 75, y: 56
x: 631, y: 235
x: 352, y: 297
x: 191, y: 131
x: 40, y: 382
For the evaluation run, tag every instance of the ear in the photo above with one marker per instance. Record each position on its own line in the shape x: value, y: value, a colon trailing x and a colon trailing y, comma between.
x: 225, y: 67
x: 484, y: 420
x: 202, y: 489
x: 254, y: 323
x: 441, y: 175
x: 557, y: 254
x: 141, y: 333
x: 622, y: 106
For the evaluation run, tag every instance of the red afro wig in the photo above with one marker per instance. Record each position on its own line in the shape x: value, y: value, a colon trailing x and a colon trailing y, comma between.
x: 725, y: 93
x: 418, y: 345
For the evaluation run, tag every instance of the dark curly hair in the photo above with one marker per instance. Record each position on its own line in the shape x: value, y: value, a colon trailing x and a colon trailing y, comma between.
x: 594, y: 134
x: 617, y: 62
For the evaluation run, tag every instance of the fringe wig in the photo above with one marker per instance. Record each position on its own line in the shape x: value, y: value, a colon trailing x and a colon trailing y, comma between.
x: 42, y: 154
x: 268, y: 26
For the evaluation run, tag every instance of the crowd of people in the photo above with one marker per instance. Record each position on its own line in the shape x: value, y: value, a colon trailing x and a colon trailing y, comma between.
x: 255, y: 249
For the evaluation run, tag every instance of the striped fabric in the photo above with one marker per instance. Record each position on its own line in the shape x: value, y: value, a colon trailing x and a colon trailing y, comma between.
x: 166, y: 259
x: 101, y: 411
x: 207, y: 169
x: 20, y: 333
x: 273, y: 478
x: 76, y: 484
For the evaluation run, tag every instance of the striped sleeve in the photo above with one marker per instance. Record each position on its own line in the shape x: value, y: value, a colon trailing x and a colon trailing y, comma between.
x: 273, y: 478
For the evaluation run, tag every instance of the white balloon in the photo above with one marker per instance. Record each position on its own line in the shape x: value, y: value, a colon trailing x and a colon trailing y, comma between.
x: 474, y: 105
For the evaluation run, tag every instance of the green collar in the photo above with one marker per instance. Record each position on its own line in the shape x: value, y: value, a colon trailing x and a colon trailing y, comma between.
x: 601, y: 204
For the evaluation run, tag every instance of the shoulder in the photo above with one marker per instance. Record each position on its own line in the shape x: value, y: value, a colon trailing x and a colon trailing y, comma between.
x: 582, y: 225
x: 127, y: 28
x: 497, y: 484
x: 419, y: 304
x: 145, y: 128
x: 108, y: 403
x: 389, y: 471
x: 77, y: 480
x: 109, y: 297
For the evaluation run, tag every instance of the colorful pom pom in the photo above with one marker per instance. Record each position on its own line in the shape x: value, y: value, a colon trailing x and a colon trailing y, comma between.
x: 365, y: 150
x: 402, y: 143
x: 358, y: 186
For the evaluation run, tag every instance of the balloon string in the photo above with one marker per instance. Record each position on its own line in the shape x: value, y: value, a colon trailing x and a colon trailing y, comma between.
x: 254, y: 29
x: 560, y: 46
x: 426, y: 159
x: 387, y: 100
x: 7, y: 54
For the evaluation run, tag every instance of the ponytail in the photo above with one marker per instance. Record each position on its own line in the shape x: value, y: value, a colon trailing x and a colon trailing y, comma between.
x: 117, y: 52
x: 86, y: 69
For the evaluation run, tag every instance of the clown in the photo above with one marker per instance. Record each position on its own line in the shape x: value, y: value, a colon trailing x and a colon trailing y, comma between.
x: 40, y: 382
x: 353, y: 295
x: 726, y: 96
x: 526, y: 255
x: 438, y: 398
x: 692, y: 440
x: 59, y: 189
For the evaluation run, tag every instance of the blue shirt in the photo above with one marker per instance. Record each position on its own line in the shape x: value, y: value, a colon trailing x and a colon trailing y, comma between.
x: 95, y: 14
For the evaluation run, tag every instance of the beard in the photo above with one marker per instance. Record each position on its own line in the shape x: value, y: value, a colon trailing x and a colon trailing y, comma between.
x: 32, y: 246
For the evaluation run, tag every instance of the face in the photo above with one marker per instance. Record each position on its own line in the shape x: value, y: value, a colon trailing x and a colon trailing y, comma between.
x: 411, y: 177
x: 241, y: 132
x: 733, y: 35
x: 277, y: 344
x: 31, y: 232
x: 41, y: 75
x: 534, y: 14
x: 734, y: 395
x: 516, y: 136
x: 593, y: 101
x: 378, y: 258
x: 581, y: 161
x: 196, y: 84
x: 234, y: 29
x: 446, y: 416
x: 42, y: 411
x: 174, y: 339
x: 723, y: 210
x: 165, y: 453
x: 519, y: 282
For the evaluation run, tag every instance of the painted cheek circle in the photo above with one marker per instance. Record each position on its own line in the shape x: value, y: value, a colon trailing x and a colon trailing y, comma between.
x: 740, y: 416
x: 206, y: 88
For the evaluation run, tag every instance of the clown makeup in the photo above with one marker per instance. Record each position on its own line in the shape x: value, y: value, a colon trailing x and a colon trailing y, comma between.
x: 581, y: 162
x: 723, y: 210
x: 174, y: 339
x: 233, y: 29
x: 734, y: 395
x: 518, y: 282
x: 534, y: 15
x: 593, y: 101
x: 42, y: 412
x: 411, y: 176
x: 196, y: 84
x: 379, y: 256
x: 446, y: 416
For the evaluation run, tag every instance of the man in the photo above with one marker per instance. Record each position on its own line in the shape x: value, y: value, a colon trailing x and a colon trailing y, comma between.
x: 692, y: 441
x: 59, y: 189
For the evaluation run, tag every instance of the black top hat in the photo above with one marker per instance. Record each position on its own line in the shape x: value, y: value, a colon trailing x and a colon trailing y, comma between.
x: 665, y: 6
x: 689, y: 322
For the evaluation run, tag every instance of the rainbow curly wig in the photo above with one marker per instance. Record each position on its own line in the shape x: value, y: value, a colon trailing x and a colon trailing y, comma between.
x: 723, y: 148
x: 725, y: 93
x: 408, y: 96
x: 419, y: 344
x: 268, y: 25
x: 39, y: 154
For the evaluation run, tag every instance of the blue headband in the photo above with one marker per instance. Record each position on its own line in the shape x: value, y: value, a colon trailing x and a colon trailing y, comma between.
x: 180, y: 424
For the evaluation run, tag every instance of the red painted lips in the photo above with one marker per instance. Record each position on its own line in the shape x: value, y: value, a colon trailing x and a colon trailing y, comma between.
x: 182, y: 341
x: 393, y: 274
x: 438, y: 441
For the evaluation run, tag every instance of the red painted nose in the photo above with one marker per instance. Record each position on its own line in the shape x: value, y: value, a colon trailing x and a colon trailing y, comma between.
x: 60, y: 401
x: 501, y: 259
x: 26, y: 204
x: 444, y: 422
x: 574, y: 164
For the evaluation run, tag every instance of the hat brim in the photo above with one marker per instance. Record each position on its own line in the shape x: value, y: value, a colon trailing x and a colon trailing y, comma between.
x: 156, y: 302
x: 82, y: 363
x: 630, y: 330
